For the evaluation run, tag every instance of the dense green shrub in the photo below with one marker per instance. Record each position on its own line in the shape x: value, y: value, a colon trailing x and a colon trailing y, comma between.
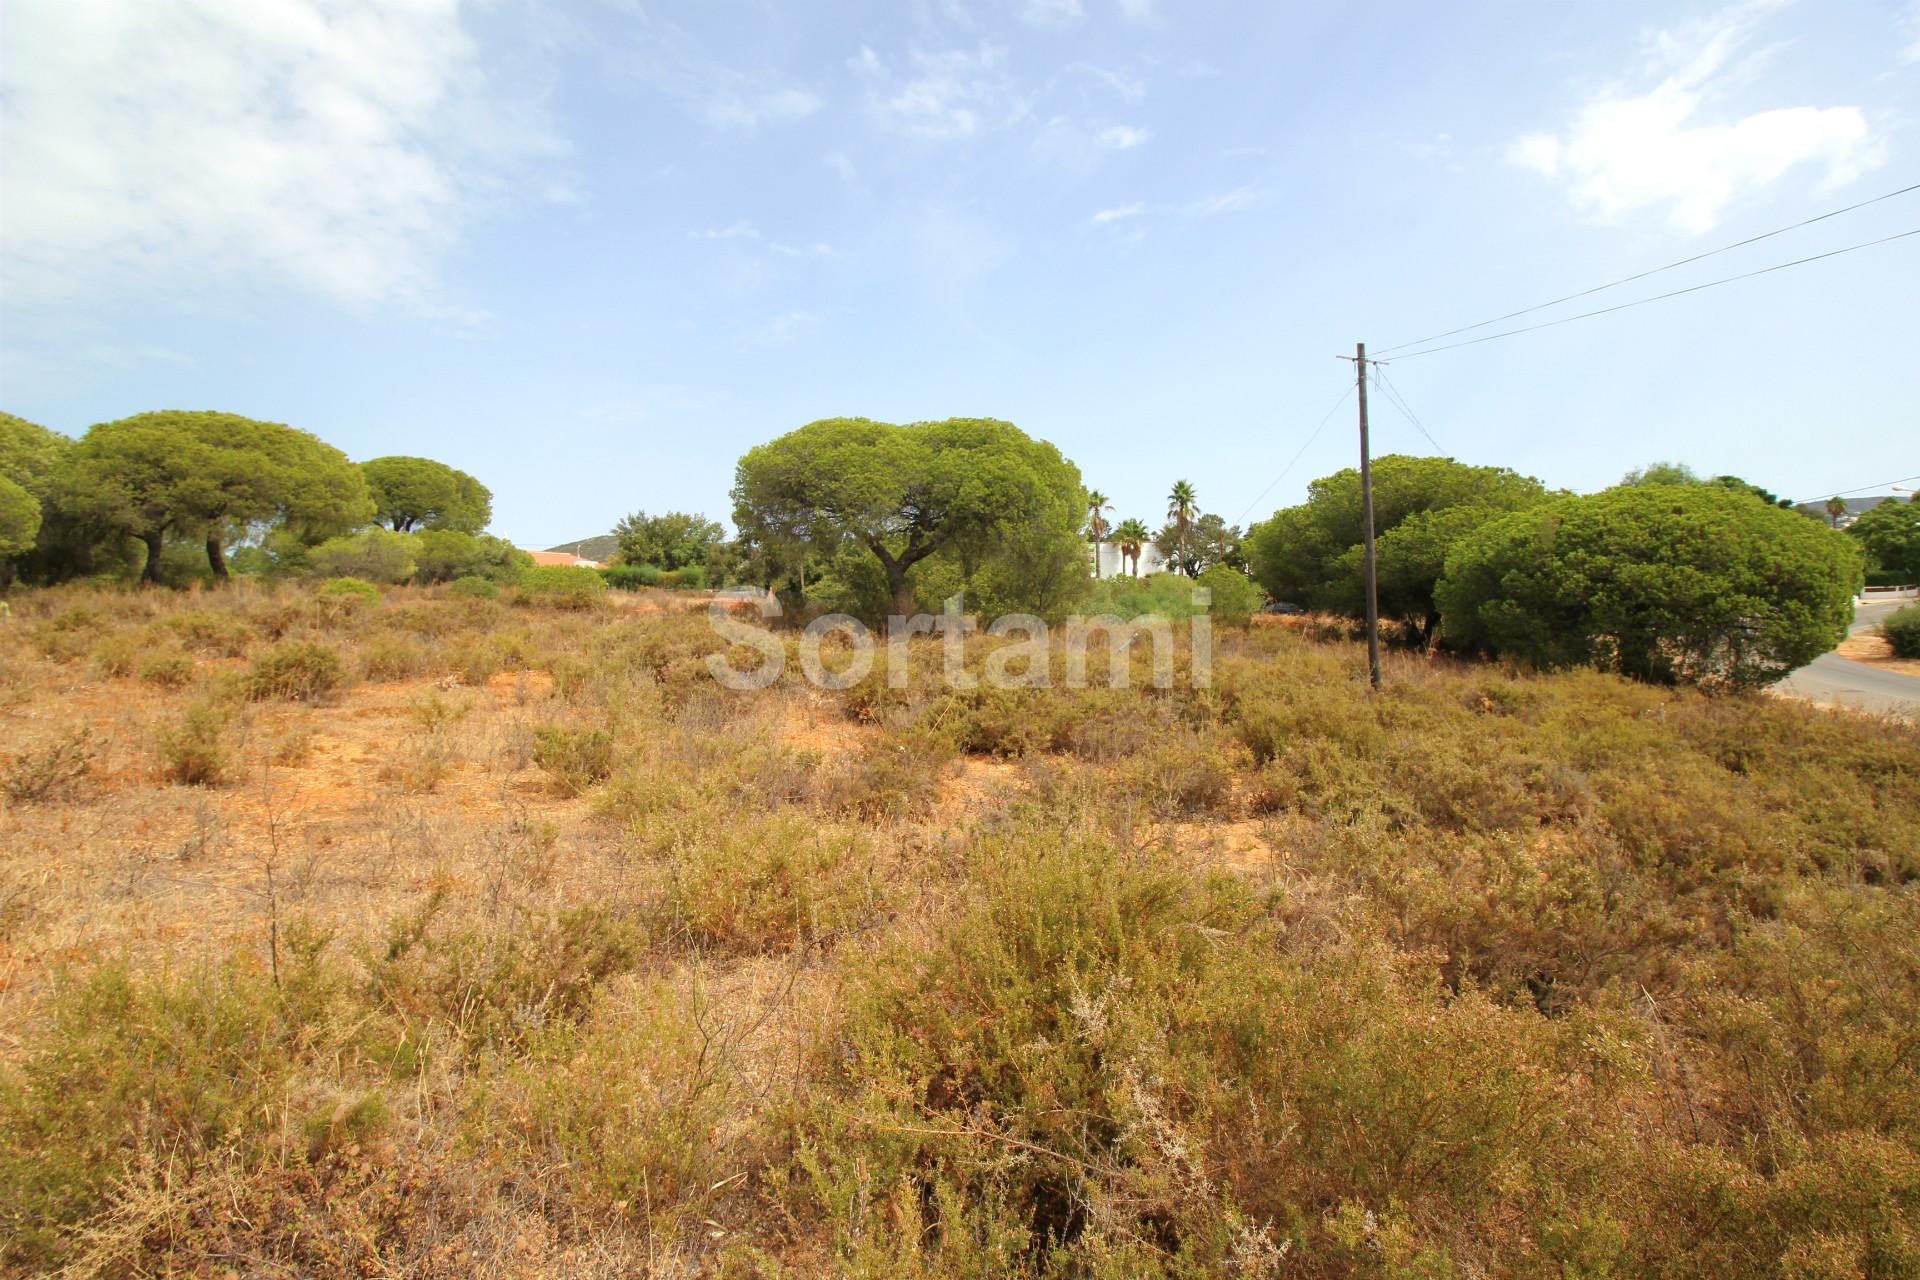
x: 1235, y: 596
x: 630, y: 577
x: 376, y: 555
x: 1662, y: 582
x: 353, y: 590
x: 562, y: 586
x: 1902, y: 630
x: 473, y: 588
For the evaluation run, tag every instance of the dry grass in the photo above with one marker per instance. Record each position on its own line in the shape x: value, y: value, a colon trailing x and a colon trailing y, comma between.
x: 446, y: 937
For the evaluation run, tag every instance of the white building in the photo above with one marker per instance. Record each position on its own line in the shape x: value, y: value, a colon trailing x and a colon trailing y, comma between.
x: 1114, y: 565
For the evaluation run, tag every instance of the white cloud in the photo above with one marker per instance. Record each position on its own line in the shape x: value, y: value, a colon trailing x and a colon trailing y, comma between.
x: 952, y: 94
x: 744, y: 230
x: 1121, y: 137
x: 1226, y: 202
x: 1119, y: 213
x: 1052, y: 13
x: 1912, y: 32
x: 1136, y: 10
x: 842, y: 164
x: 1625, y: 152
x: 1130, y: 88
x: 339, y: 147
x: 782, y: 329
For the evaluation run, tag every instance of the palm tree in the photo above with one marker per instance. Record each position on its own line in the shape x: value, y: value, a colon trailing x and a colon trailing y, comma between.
x: 1836, y: 507
x: 1097, y: 523
x: 1132, y: 535
x: 1181, y: 506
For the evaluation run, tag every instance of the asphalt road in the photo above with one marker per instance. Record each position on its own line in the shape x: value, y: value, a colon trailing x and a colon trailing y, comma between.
x: 1841, y: 682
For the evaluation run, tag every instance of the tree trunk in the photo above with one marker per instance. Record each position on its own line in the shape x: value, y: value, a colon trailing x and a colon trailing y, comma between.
x: 216, y: 558
x: 902, y: 591
x: 150, y: 572
x: 1096, y: 559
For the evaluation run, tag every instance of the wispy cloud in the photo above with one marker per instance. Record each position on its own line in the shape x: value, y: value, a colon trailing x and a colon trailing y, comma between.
x: 1052, y: 13
x: 1911, y: 29
x: 665, y: 57
x: 1130, y: 88
x: 1121, y: 137
x: 782, y: 329
x: 340, y: 148
x: 1119, y: 213
x: 1136, y: 10
x: 1625, y: 151
x: 954, y: 94
x: 1225, y: 202
x: 746, y: 231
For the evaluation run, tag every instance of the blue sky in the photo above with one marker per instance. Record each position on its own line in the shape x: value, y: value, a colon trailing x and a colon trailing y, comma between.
x: 592, y: 252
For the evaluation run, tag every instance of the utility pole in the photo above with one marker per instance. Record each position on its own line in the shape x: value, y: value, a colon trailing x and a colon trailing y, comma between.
x: 1366, y: 522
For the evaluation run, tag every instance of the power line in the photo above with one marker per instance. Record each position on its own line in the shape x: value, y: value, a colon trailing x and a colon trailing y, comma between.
x: 1400, y: 402
x: 1885, y: 484
x: 1298, y: 455
x: 1587, y: 293
x: 1662, y: 297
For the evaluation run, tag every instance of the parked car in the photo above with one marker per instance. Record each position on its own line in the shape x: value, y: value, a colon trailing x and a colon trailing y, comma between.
x: 1281, y: 607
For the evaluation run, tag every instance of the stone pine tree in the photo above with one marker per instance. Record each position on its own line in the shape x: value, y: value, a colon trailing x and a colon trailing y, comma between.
x: 419, y: 493
x: 201, y: 474
x: 966, y: 487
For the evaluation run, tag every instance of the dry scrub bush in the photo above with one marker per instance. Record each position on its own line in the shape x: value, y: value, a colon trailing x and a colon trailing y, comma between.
x: 193, y: 747
x: 782, y: 882
x: 575, y: 760
x: 296, y: 670
x: 60, y: 772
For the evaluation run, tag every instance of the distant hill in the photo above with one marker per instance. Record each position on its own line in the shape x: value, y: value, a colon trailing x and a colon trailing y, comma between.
x: 600, y: 548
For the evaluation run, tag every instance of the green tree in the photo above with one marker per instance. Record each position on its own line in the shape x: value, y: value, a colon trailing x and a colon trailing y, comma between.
x: 1097, y: 504
x: 1181, y: 508
x: 1662, y: 473
x: 419, y: 493
x: 970, y: 490
x: 670, y: 541
x: 1836, y: 507
x: 442, y: 555
x: 1664, y: 583
x: 1132, y: 535
x: 1767, y: 496
x: 1422, y: 506
x: 372, y: 555
x: 1235, y: 596
x: 201, y: 475
x: 1890, y: 533
x: 19, y: 525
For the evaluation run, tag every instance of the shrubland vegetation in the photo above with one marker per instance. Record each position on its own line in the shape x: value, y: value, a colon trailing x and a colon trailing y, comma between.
x: 417, y: 932
x: 399, y: 907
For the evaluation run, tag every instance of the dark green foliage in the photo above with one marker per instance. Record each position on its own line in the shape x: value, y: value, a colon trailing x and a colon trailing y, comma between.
x: 1313, y: 553
x: 1662, y: 582
x: 419, y: 493
x: 1902, y: 629
x: 195, y: 475
x: 671, y: 540
x: 975, y: 492
x: 630, y: 577
x: 1890, y: 533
